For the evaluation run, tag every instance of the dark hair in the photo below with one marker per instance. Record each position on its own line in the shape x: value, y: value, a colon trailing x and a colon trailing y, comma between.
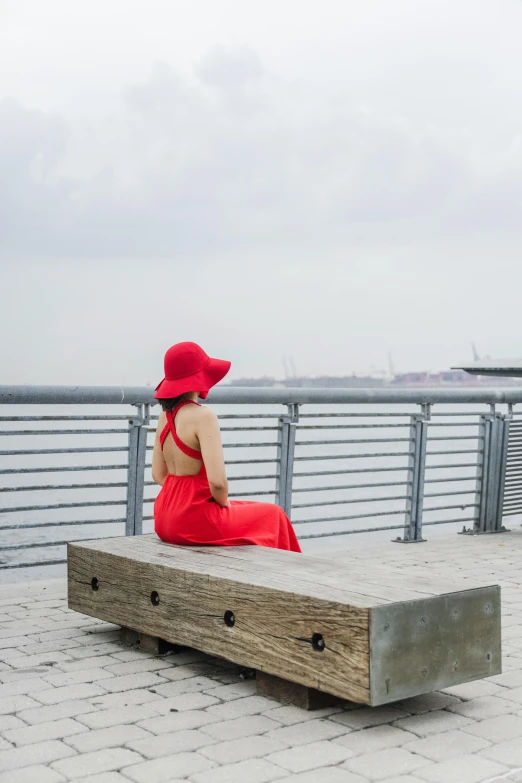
x: 169, y: 403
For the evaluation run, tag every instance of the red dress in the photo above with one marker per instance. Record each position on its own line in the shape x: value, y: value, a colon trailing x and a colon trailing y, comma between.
x: 186, y: 513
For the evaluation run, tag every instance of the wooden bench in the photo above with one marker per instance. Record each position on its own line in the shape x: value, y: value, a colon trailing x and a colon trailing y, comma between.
x: 307, y: 625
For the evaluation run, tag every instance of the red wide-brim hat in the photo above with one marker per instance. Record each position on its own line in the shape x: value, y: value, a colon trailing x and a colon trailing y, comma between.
x: 189, y: 369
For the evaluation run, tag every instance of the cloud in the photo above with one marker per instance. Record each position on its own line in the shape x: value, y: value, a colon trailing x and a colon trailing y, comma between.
x: 230, y: 156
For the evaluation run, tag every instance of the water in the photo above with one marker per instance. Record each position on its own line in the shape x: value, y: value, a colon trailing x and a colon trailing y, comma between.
x: 380, y: 505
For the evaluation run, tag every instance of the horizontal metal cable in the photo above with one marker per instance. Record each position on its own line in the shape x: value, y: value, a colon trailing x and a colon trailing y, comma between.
x: 31, y: 565
x: 458, y: 505
x: 453, y: 451
x: 67, y: 418
x: 65, y: 432
x: 349, y: 532
x: 64, y: 486
x: 402, y: 425
x: 512, y: 512
x: 235, y: 429
x: 55, y: 506
x: 352, y: 486
x: 447, y: 494
x: 60, y: 469
x: 350, y: 440
x: 314, y: 458
x: 64, y: 523
x: 348, y: 501
x: 23, y: 452
x: 451, y: 438
x: 352, y: 471
x: 447, y: 521
x: 252, y: 461
x: 41, y: 544
x: 344, y: 518
x: 448, y: 466
x: 452, y: 478
x: 352, y: 414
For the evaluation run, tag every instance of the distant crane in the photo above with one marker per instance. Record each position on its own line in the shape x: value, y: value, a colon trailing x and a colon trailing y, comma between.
x: 476, y: 357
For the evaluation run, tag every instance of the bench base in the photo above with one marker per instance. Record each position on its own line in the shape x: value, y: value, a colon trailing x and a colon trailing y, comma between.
x: 151, y: 644
x: 292, y: 693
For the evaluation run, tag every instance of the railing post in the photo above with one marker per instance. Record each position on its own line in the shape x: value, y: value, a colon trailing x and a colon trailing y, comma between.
x: 285, y: 456
x: 136, y: 470
x: 416, y: 473
x: 491, y: 473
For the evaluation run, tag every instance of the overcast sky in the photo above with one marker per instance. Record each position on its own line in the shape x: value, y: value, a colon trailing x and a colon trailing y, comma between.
x: 331, y: 181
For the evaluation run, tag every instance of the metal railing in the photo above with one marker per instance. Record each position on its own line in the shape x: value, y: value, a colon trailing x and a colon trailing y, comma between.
x: 339, y: 462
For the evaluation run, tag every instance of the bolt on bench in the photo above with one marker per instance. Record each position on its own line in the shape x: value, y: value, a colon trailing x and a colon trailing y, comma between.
x: 308, y: 626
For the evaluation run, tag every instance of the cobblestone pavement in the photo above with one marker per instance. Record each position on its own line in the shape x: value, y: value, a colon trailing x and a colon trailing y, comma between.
x: 75, y: 704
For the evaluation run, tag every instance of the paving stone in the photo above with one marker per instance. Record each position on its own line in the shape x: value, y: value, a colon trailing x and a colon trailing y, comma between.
x: 10, y: 722
x: 56, y: 729
x: 510, y: 679
x: 168, y: 768
x: 368, y: 716
x: 133, y: 681
x: 428, y: 702
x: 11, y: 704
x: 373, y: 739
x: 241, y: 727
x: 104, y: 648
x: 253, y: 771
x: 167, y: 744
x: 484, y: 707
x: 39, y: 753
x: 250, y: 705
x: 66, y: 709
x: 513, y: 694
x: 176, y: 721
x: 508, y: 752
x: 405, y: 779
x: 112, y: 737
x: 311, y: 731
x: 33, y: 774
x: 385, y: 763
x: 25, y: 661
x: 191, y: 685
x: 236, y: 690
x: 464, y: 769
x: 432, y: 723
x: 98, y: 661
x: 105, y: 760
x: 11, y: 642
x: 19, y: 687
x: 325, y: 775
x: 311, y: 756
x: 109, y: 777
x: 499, y: 729
x: 138, y: 666
x: 4, y: 744
x: 117, y: 716
x: 45, y: 647
x: 238, y: 750
x: 70, y: 693
x: 289, y: 715
x: 125, y: 698
x: 474, y: 690
x: 187, y: 701
x: 439, y: 747
x: 184, y: 672
x: 77, y: 677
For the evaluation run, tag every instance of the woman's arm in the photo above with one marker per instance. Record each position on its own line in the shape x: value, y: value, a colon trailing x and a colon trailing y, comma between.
x: 159, y: 466
x: 209, y: 437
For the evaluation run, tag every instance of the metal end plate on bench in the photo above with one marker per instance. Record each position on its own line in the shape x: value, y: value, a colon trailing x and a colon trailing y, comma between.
x: 424, y: 645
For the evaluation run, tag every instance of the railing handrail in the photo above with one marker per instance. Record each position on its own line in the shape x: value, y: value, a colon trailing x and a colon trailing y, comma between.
x: 144, y: 395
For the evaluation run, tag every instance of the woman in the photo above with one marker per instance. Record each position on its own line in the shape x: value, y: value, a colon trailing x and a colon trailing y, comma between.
x: 193, y: 506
